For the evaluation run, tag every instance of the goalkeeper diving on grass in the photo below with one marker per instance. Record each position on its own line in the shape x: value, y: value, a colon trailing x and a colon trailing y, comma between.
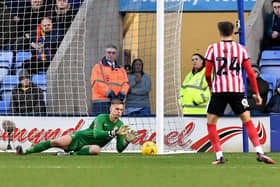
x: 102, y: 130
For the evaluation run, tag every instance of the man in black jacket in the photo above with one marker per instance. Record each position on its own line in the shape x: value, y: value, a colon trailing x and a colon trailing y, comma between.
x: 27, y: 98
x: 263, y: 89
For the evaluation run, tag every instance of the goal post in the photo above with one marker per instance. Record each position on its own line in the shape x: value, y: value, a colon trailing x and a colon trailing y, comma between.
x: 160, y: 77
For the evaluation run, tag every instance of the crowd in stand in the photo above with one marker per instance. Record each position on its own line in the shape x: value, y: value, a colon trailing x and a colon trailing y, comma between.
x: 37, y: 27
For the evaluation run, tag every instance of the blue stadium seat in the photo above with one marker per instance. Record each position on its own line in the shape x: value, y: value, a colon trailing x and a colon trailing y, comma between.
x: 9, y: 82
x: 4, y: 107
x: 20, y: 58
x: 6, y: 60
x: 272, y: 70
x: 6, y: 95
x: 272, y: 80
x: 270, y: 58
x: 40, y: 80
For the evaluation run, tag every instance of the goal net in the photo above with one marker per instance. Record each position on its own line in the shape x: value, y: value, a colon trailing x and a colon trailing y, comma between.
x: 59, y: 61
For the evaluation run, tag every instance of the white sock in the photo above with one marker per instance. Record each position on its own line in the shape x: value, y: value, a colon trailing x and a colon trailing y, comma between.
x: 259, y: 149
x: 219, y: 154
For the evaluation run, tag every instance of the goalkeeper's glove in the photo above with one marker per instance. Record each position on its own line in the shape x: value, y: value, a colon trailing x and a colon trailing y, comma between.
x: 131, y: 136
x: 123, y: 130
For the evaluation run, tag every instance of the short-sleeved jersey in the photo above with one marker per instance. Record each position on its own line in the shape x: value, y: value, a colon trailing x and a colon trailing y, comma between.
x: 97, y: 134
x: 227, y: 58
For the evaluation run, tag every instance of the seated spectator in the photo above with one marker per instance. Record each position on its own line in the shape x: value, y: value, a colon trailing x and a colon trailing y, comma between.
x: 263, y: 89
x: 138, y: 101
x: 62, y: 15
x: 28, y: 15
x: 108, y: 81
x: 27, y: 98
x: 274, y: 102
x: 195, y: 92
x: 272, y: 27
x: 45, y: 42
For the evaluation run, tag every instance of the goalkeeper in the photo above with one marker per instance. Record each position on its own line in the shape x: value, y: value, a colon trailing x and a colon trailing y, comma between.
x: 102, y: 130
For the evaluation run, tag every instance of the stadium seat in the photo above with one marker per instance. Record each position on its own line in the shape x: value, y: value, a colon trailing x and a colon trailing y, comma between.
x: 271, y: 79
x: 4, y: 107
x: 6, y: 60
x: 40, y: 80
x: 9, y: 82
x: 271, y: 70
x: 6, y: 95
x: 270, y: 58
x: 20, y: 58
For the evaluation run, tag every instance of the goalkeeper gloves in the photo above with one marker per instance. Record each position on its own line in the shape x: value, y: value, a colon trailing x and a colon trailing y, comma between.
x: 123, y: 130
x: 131, y: 136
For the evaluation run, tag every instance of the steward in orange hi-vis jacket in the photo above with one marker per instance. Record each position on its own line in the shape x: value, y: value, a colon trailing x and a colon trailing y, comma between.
x: 105, y: 79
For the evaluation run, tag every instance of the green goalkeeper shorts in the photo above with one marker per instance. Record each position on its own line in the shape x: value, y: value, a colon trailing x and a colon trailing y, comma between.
x: 80, y: 139
x: 75, y: 144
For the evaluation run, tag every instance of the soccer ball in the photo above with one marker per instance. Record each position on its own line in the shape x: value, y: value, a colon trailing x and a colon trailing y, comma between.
x: 149, y: 148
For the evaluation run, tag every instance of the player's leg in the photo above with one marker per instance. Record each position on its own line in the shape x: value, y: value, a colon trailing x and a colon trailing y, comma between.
x: 214, y: 137
x: 88, y: 150
x: 253, y: 136
x: 215, y: 108
x: 251, y: 130
x: 239, y: 105
x: 61, y: 142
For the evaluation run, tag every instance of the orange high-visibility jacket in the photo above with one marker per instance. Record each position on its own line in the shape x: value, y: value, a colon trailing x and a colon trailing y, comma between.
x: 105, y: 79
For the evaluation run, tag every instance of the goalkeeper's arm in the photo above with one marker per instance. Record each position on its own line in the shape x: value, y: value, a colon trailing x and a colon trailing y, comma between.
x: 124, y: 140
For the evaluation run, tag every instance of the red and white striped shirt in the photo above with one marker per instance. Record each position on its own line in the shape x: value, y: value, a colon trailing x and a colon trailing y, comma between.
x: 227, y: 58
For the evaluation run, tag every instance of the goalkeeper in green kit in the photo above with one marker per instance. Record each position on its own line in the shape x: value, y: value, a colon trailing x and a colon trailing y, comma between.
x: 102, y: 130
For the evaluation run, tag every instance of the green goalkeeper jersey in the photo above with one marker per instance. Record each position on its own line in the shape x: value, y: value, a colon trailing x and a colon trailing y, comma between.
x: 97, y: 134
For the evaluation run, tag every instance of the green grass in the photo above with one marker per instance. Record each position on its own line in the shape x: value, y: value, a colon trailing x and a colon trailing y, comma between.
x: 133, y: 170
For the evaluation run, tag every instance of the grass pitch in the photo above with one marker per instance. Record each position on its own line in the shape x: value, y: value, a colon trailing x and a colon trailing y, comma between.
x: 135, y: 170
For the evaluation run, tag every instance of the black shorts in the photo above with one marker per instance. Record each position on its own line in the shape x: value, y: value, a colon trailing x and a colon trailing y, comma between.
x: 219, y: 101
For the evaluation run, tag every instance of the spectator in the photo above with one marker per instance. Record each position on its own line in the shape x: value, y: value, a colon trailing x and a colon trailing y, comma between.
x: 274, y: 103
x: 108, y: 81
x: 27, y: 98
x: 138, y: 101
x: 28, y: 15
x: 263, y: 90
x: 45, y: 42
x: 127, y: 68
x: 62, y: 15
x: 194, y: 91
x: 272, y: 27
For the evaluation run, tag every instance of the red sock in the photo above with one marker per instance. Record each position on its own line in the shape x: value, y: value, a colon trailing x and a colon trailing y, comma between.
x: 214, y: 137
x: 252, y: 133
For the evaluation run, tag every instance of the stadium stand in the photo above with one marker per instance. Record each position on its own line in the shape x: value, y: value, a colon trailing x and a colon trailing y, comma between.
x: 270, y: 62
x: 9, y: 82
x: 20, y: 58
x: 12, y: 61
x: 4, y: 107
x: 6, y: 60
